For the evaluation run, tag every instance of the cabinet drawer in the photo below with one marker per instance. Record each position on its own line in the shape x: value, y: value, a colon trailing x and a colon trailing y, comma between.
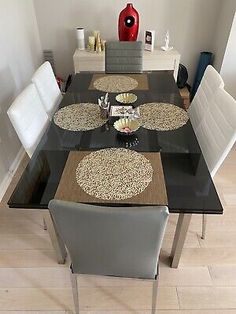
x: 160, y: 64
x: 91, y: 65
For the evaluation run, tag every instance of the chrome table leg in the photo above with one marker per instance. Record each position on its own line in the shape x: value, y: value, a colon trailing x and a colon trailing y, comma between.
x: 179, y: 238
x: 44, y: 224
x: 204, y: 222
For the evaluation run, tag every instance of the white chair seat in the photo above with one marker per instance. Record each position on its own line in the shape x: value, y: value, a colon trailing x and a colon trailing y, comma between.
x: 48, y: 89
x: 28, y: 118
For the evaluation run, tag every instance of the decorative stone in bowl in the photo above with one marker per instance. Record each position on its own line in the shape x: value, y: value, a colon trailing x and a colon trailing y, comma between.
x: 126, y: 98
x: 126, y: 126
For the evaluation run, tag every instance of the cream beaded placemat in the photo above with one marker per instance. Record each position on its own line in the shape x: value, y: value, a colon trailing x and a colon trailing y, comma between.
x: 79, y: 117
x: 114, y: 173
x: 115, y: 83
x: 162, y: 116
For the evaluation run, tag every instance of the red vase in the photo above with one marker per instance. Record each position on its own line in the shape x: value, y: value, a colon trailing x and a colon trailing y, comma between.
x: 128, y: 23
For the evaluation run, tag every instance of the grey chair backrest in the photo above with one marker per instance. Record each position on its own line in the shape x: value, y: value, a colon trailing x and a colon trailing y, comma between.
x: 112, y: 241
x: 123, y: 57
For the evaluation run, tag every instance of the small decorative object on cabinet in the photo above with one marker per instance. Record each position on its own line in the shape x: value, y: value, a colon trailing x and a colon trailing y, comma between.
x: 80, y: 38
x: 98, y: 43
x: 91, y: 43
x: 167, y: 41
x: 95, y: 43
x: 149, y: 37
x: 128, y: 23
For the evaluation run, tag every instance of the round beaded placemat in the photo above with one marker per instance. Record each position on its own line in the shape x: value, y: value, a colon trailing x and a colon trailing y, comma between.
x: 162, y: 116
x: 114, y: 173
x: 115, y: 83
x: 79, y: 117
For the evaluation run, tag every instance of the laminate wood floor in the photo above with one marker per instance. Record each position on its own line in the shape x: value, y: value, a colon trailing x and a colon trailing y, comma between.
x: 31, y: 281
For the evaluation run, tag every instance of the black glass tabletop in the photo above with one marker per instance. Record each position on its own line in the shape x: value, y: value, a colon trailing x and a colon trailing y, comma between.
x: 189, y: 186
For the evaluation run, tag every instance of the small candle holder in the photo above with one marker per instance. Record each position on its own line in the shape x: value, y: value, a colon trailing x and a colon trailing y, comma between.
x: 104, y: 105
x: 104, y: 112
x: 96, y: 43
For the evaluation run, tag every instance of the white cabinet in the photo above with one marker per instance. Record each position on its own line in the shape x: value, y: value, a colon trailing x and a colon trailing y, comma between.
x: 88, y: 61
x: 155, y: 60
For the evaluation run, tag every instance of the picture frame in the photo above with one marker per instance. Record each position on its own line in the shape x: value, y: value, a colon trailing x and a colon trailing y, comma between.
x: 149, y: 38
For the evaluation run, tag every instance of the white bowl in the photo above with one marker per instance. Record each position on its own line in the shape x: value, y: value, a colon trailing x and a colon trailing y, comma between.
x: 126, y: 98
x: 126, y: 126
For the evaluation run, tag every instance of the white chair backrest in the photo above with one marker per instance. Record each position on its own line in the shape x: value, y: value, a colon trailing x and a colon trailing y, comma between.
x: 48, y: 89
x: 216, y: 133
x: 28, y: 118
x: 210, y: 83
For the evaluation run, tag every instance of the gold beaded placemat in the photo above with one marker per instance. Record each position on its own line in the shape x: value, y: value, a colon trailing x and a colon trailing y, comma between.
x: 162, y: 116
x: 136, y: 179
x: 79, y: 117
x: 113, y: 83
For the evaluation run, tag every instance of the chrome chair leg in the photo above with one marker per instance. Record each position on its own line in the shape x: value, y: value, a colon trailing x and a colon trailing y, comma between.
x: 154, y: 294
x: 57, y: 243
x: 74, y: 285
x: 204, y: 223
x: 44, y: 225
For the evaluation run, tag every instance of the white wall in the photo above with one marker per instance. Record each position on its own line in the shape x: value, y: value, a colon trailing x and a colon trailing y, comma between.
x: 20, y: 55
x: 224, y: 24
x: 228, y: 68
x: 225, y: 45
x: 191, y: 24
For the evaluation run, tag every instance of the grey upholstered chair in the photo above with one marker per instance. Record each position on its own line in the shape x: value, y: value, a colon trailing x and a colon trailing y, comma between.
x: 123, y: 57
x: 111, y: 241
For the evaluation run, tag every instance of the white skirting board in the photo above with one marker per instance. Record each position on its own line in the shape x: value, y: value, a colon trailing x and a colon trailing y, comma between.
x: 7, y: 180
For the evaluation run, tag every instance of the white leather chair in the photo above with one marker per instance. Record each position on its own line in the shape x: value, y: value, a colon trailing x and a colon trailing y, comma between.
x: 28, y: 118
x: 216, y: 133
x: 210, y: 83
x: 47, y: 87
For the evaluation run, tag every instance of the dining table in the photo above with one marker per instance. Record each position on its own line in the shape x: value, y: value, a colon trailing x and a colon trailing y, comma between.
x: 188, y: 183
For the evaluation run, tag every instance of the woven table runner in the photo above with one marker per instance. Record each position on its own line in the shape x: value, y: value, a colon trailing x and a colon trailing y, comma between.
x: 114, y: 175
x: 162, y: 116
x: 119, y: 83
x: 79, y: 117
